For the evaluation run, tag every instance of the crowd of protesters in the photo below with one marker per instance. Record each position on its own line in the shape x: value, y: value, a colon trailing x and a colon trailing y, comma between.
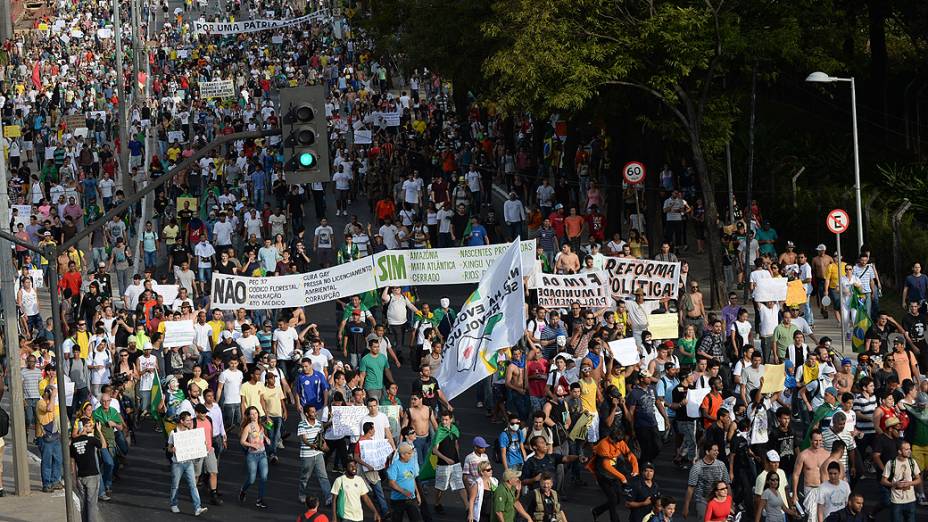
x: 565, y: 412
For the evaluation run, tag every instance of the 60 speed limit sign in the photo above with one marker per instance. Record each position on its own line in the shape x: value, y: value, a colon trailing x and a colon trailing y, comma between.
x: 633, y: 172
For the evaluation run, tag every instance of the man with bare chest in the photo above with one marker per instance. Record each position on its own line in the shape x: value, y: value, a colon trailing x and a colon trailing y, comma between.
x: 809, y: 463
x: 844, y: 380
x: 692, y: 310
x: 820, y: 264
x: 421, y: 418
x: 516, y: 390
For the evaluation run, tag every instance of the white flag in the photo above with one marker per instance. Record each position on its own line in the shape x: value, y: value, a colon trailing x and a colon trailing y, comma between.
x: 493, y: 318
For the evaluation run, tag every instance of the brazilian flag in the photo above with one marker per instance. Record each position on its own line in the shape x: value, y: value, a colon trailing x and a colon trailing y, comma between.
x: 157, y: 396
x: 466, y: 235
x: 862, y: 321
x: 428, y: 467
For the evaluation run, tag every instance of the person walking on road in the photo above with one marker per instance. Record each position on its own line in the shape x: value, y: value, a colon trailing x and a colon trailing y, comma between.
x: 183, y: 470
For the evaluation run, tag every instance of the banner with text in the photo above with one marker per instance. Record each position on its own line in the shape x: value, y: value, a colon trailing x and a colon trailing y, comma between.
x: 432, y: 266
x: 252, y: 26
x: 590, y: 289
x: 656, y: 278
x: 217, y: 89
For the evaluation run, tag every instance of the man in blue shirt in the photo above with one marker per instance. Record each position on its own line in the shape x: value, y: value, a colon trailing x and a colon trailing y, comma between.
x: 478, y: 234
x: 401, y: 477
x: 312, y: 387
x: 916, y: 287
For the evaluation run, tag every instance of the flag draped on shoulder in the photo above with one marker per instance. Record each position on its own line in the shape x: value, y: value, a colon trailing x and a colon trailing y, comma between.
x: 157, y: 396
x: 428, y: 467
x: 861, y: 322
x: 492, y: 318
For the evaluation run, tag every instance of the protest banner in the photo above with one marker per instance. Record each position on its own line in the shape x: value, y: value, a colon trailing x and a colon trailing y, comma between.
x: 663, y: 326
x: 217, y: 89
x: 178, y: 333
x: 176, y: 137
x: 656, y: 278
x: 38, y: 278
x: 434, y: 266
x: 694, y: 401
x: 625, y: 351
x: 252, y: 26
x: 444, y: 266
x: 770, y: 289
x: 774, y: 378
x: 590, y: 289
x: 362, y: 137
x: 492, y: 318
x: 391, y: 119
x: 375, y: 453
x: 277, y: 39
x: 74, y: 121
x: 346, y: 420
x: 21, y: 215
x: 189, y: 444
x: 12, y: 131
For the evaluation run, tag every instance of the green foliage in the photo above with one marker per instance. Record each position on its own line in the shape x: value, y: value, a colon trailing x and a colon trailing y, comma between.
x: 906, y: 181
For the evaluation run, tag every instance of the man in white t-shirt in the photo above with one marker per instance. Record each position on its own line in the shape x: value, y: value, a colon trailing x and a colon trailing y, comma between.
x: 833, y: 494
x: 675, y: 208
x: 248, y: 343
x: 147, y: 366
x: 379, y: 420
x: 388, y: 232
x: 230, y: 394
x: 445, y: 238
x: 412, y: 190
x: 222, y: 232
x: 286, y: 339
x: 475, y: 186
x: 342, y: 181
x: 203, y: 338
x: 322, y: 243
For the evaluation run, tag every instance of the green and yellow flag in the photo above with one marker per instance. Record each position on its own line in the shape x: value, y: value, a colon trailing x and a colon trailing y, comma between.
x: 862, y: 320
x: 427, y: 472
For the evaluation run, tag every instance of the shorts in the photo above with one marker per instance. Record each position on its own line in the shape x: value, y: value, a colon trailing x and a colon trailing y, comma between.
x: 920, y: 456
x: 449, y: 477
x: 499, y: 393
x: 209, y: 464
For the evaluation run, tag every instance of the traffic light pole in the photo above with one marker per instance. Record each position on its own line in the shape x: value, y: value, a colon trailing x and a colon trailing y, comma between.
x: 52, y: 254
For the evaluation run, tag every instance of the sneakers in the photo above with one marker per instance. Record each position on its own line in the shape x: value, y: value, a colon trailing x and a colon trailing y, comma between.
x: 302, y: 499
x: 479, y: 404
x: 175, y: 509
x: 241, y: 497
x: 922, y: 500
x: 105, y: 498
x: 260, y: 504
x: 200, y: 511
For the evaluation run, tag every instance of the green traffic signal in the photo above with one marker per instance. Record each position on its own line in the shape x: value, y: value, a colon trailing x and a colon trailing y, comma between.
x: 307, y: 160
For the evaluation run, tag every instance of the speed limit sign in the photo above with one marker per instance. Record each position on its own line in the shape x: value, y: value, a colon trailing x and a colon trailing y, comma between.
x: 633, y: 172
x: 837, y: 221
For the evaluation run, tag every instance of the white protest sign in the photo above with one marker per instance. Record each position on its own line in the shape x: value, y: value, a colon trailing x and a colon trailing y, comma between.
x: 178, y: 333
x: 656, y: 278
x: 362, y: 137
x: 189, y: 444
x: 392, y: 119
x: 217, y: 89
x: 176, y: 137
x: 277, y: 39
x: 68, y: 393
x: 346, y: 420
x: 38, y: 278
x: 104, y: 33
x: 770, y: 289
x: 590, y: 289
x: 694, y: 400
x: 625, y: 351
x: 376, y: 452
x: 22, y: 214
x: 251, y: 26
x: 445, y: 266
x: 167, y: 292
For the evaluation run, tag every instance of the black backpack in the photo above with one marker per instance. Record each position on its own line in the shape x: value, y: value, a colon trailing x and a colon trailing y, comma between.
x: 4, y: 423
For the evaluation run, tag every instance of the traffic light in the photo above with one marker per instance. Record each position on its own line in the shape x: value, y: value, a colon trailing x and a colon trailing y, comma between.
x: 305, y: 135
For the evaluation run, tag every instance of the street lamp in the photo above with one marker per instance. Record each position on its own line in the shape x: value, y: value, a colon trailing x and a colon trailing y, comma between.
x: 820, y: 77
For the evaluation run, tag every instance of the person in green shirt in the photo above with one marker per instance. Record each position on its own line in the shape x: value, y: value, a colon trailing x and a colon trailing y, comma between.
x: 506, y: 498
x: 373, y: 368
x: 783, y: 336
x: 109, y: 421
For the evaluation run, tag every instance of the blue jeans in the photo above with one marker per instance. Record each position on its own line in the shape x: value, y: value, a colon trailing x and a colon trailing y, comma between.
x: 422, y: 445
x: 687, y: 429
x: 904, y: 512
x: 107, y: 467
x: 274, y: 435
x: 29, y: 409
x: 151, y: 259
x: 256, y: 465
x: 379, y: 499
x: 206, y: 274
x: 184, y: 470
x: 310, y: 466
x: 231, y: 415
x: 51, y: 460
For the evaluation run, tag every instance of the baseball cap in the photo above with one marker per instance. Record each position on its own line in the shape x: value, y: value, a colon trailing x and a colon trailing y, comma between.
x: 845, y: 361
x: 647, y: 465
x: 147, y: 346
x: 921, y: 399
x: 831, y: 391
x: 821, y: 248
x: 898, y: 339
x: 480, y: 442
x: 102, y: 264
x: 790, y: 244
x: 773, y: 456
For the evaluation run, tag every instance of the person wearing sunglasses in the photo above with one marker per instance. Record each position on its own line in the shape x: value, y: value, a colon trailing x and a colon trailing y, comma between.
x: 718, y: 508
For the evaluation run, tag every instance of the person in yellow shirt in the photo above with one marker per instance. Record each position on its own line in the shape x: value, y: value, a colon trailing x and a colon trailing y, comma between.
x: 252, y: 392
x: 832, y: 277
x: 217, y: 324
x: 272, y: 399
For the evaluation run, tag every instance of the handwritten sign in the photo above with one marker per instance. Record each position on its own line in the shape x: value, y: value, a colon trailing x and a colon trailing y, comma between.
x: 346, y: 420
x: 625, y: 351
x: 189, y: 444
x: 167, y: 292
x: 362, y: 137
x: 663, y: 326
x: 376, y: 452
x: 12, y: 131
x: 176, y: 137
x: 178, y: 333
x: 774, y: 378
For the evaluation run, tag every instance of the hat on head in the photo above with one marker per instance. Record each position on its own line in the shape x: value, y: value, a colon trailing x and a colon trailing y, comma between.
x: 828, y: 370
x: 480, y: 442
x: 647, y: 465
x: 102, y: 264
x: 147, y: 346
x: 845, y: 361
x: 898, y: 339
x: 831, y: 391
x: 773, y: 456
x: 821, y: 248
x: 790, y: 244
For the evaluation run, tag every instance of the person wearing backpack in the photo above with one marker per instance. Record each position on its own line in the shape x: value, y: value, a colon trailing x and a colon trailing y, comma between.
x: 902, y: 475
x: 509, y: 450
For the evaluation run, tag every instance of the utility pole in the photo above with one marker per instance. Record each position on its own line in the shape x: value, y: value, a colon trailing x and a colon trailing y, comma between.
x: 11, y: 340
x: 136, y: 49
x: 6, y: 20
x: 128, y: 186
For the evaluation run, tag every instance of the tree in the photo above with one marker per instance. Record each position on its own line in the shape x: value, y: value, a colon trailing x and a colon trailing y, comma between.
x: 559, y: 55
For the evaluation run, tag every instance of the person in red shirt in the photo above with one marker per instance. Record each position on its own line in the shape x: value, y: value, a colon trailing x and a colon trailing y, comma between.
x: 719, y: 507
x: 557, y: 220
x: 596, y: 223
x: 312, y: 513
x: 71, y: 280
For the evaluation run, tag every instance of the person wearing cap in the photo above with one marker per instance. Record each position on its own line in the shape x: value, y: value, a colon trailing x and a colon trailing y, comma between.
x: 643, y: 493
x: 472, y: 461
x: 405, y: 496
x: 506, y: 501
x: 772, y: 468
x: 613, y: 464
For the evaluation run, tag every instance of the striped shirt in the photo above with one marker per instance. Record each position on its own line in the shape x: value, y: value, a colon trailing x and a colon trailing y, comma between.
x: 829, y: 437
x: 306, y: 431
x: 31, y: 380
x: 865, y: 406
x: 703, y: 476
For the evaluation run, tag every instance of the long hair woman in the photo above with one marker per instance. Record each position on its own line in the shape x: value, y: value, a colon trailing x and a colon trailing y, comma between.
x: 254, y: 439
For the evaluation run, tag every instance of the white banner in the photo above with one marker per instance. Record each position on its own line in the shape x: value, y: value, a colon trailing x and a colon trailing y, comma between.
x: 178, y: 333
x: 346, y: 420
x: 590, y: 289
x: 625, y: 351
x: 375, y: 453
x: 167, y: 292
x: 432, y: 266
x: 189, y: 444
x: 492, y: 318
x: 217, y: 89
x: 252, y: 26
x: 362, y: 137
x: 657, y: 278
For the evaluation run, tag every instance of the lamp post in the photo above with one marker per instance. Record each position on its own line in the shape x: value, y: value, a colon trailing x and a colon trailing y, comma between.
x: 820, y: 77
